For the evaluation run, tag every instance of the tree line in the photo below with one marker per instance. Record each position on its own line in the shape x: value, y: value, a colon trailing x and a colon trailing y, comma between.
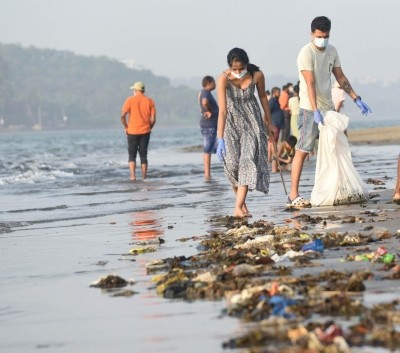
x: 62, y: 89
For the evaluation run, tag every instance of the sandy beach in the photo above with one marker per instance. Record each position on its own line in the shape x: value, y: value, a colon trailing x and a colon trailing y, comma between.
x: 384, y: 135
x: 57, y: 240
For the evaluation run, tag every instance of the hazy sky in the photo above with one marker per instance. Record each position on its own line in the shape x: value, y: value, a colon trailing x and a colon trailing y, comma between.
x: 187, y: 38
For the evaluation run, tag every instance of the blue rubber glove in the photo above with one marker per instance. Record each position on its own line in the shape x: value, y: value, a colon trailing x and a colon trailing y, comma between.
x: 221, y: 150
x: 318, y: 118
x: 364, y: 108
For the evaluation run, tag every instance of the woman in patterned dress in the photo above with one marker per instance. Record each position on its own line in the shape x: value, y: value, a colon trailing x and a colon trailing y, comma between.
x: 242, y: 129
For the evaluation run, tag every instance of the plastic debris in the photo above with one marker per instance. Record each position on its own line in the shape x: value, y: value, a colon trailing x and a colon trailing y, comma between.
x: 288, y: 255
x: 280, y: 304
x: 254, y: 242
x: 141, y: 250
x: 111, y: 281
x: 316, y: 245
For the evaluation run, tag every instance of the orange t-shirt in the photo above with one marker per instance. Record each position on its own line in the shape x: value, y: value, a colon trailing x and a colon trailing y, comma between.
x: 140, y: 109
x: 284, y: 100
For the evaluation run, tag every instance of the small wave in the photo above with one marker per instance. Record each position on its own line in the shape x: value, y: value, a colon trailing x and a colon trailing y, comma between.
x: 33, y: 177
x: 7, y: 227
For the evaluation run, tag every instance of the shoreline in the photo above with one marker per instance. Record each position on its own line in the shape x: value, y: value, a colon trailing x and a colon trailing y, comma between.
x: 375, y: 136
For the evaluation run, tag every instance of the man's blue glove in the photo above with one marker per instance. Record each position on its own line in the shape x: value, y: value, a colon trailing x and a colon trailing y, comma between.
x: 364, y: 108
x: 221, y: 150
x: 318, y: 118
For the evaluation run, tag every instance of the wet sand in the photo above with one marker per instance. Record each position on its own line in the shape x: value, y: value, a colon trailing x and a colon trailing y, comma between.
x: 385, y: 135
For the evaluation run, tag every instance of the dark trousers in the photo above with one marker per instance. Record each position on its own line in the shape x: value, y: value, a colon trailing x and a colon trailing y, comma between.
x: 286, y: 129
x: 138, y: 143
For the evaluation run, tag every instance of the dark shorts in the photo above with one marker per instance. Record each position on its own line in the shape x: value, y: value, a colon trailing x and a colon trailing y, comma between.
x: 209, y: 139
x: 138, y: 143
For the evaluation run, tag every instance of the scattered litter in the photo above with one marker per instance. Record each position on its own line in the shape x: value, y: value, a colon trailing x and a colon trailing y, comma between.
x: 111, y: 281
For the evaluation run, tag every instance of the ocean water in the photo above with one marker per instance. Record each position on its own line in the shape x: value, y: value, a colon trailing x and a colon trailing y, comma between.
x: 69, y: 214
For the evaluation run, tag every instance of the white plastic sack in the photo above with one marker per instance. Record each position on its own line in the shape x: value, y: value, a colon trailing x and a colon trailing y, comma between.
x: 336, y: 179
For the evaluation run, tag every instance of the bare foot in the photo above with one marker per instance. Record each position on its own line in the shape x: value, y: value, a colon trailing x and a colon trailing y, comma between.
x: 133, y: 178
x: 239, y: 214
x: 246, y: 210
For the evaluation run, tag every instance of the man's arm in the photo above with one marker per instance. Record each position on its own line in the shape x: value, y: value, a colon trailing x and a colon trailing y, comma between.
x: 123, y: 120
x: 152, y: 120
x: 207, y: 108
x: 343, y: 82
x: 310, y: 81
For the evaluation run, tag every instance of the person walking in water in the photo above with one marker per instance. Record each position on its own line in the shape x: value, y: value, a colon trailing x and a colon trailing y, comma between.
x: 208, y: 122
x: 316, y: 62
x: 142, y: 117
x: 242, y: 129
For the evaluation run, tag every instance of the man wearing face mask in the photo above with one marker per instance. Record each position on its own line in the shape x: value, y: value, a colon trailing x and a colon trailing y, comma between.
x: 316, y: 62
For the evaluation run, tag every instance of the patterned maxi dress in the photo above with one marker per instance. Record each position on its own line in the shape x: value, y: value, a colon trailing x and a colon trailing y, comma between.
x: 246, y: 160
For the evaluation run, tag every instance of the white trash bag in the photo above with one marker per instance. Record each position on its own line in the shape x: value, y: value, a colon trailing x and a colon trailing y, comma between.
x: 336, y: 179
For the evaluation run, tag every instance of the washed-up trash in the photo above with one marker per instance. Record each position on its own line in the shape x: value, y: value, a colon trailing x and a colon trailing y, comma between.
x: 380, y: 233
x: 156, y: 265
x: 124, y: 293
x: 141, y: 250
x: 380, y: 255
x: 297, y: 334
x: 316, y: 245
x: 242, y: 230
x: 280, y: 304
x: 326, y: 335
x: 288, y: 255
x: 304, y: 236
x: 243, y: 270
x: 351, y: 239
x: 381, y: 251
x: 388, y: 258
x: 255, y: 242
x: 111, y: 281
x: 207, y: 277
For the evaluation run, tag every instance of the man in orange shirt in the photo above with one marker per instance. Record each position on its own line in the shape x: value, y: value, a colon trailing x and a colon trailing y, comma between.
x: 284, y: 103
x: 142, y: 117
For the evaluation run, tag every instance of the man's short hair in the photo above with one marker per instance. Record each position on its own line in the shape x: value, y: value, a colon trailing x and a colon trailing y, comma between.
x: 321, y: 23
x: 206, y: 80
x: 275, y: 89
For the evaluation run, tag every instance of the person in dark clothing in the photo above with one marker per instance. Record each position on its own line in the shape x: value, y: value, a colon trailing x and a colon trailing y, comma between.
x: 208, y: 122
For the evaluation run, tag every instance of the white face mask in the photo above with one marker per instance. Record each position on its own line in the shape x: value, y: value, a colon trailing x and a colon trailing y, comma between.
x: 321, y: 42
x: 242, y: 74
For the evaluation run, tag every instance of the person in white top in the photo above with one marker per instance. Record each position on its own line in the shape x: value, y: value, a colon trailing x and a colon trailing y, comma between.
x: 294, y: 111
x: 316, y: 62
x: 338, y: 96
